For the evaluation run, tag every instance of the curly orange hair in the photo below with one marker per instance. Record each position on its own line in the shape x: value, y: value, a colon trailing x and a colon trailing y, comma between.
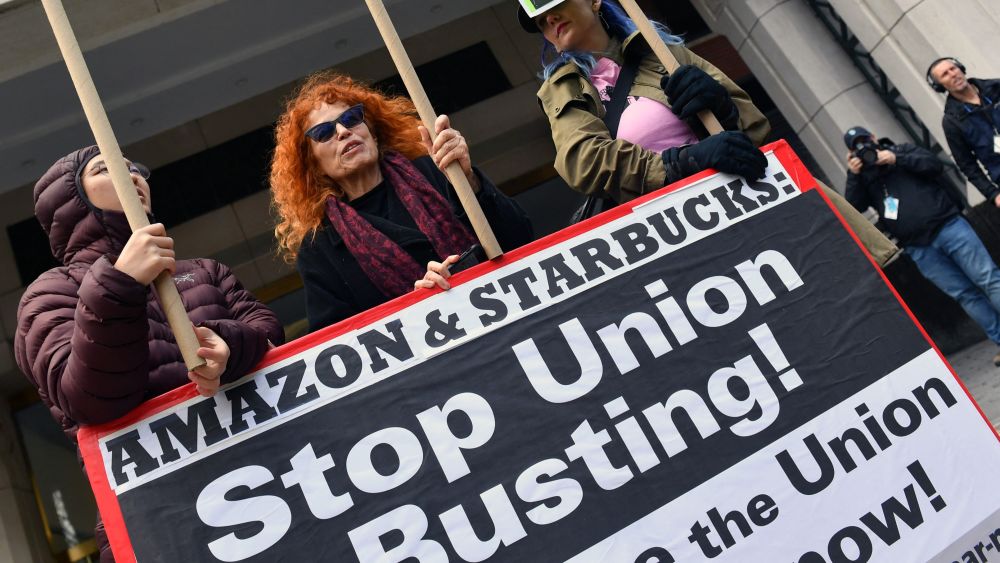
x: 299, y: 187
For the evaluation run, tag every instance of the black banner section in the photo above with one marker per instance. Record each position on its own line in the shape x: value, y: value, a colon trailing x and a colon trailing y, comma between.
x: 535, y: 441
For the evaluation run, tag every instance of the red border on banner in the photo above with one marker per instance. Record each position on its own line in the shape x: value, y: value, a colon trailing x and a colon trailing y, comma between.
x: 909, y: 313
x: 89, y: 436
x: 794, y: 165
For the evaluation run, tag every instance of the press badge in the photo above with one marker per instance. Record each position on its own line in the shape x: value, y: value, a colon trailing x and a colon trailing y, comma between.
x: 891, y: 208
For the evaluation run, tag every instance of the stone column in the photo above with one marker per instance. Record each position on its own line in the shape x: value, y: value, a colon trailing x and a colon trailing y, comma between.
x: 806, y: 73
x: 21, y: 534
x: 904, y: 36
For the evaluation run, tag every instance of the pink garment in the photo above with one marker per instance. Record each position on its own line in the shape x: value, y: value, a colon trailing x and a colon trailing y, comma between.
x: 645, y: 122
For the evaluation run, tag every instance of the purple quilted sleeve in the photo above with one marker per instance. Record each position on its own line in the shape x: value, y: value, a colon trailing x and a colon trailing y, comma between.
x: 250, y: 327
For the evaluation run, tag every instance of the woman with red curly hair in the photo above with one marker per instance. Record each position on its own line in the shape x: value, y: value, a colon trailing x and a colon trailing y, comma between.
x: 363, y: 205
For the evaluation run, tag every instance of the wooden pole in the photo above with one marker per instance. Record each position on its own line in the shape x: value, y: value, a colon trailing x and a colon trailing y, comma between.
x: 170, y: 299
x: 427, y: 116
x: 654, y: 40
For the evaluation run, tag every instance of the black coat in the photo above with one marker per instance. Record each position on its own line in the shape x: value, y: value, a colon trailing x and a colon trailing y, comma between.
x: 926, y: 199
x: 969, y: 131
x: 336, y: 287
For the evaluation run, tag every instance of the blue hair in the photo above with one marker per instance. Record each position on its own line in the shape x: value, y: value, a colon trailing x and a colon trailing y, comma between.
x: 619, y: 26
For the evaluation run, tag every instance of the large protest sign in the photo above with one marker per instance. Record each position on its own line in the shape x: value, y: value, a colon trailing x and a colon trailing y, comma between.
x: 715, y: 371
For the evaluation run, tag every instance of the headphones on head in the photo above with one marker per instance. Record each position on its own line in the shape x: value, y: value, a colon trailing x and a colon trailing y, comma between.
x: 930, y: 78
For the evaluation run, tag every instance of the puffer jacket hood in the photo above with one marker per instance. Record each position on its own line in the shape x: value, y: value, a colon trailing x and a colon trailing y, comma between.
x: 93, y: 340
x: 78, y: 231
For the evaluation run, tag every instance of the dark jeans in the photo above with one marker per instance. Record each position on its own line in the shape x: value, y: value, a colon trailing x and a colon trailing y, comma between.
x: 957, y: 262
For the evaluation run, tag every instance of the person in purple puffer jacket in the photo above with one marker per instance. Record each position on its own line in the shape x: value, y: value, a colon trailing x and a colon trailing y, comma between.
x: 91, y: 335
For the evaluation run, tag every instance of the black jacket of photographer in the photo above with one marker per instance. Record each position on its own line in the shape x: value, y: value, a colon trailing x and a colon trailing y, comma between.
x: 970, y: 130
x: 926, y: 199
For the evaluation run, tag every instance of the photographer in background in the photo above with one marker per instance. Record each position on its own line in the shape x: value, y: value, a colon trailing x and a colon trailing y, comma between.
x: 916, y: 204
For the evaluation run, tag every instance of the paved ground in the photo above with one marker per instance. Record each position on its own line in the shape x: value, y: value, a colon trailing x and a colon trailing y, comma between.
x: 974, y: 366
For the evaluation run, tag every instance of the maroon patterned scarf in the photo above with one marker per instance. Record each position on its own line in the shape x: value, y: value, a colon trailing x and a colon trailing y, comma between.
x: 385, y: 263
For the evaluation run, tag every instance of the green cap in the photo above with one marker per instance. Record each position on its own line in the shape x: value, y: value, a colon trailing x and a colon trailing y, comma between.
x: 528, y: 10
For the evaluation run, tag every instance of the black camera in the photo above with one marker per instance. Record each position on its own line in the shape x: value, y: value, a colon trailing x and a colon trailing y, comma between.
x: 867, y: 151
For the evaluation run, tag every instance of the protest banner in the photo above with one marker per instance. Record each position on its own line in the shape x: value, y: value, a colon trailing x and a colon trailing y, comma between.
x: 715, y: 371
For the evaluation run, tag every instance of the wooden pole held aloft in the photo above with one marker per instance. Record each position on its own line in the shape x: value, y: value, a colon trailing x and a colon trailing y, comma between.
x: 661, y: 51
x: 427, y: 116
x: 170, y: 299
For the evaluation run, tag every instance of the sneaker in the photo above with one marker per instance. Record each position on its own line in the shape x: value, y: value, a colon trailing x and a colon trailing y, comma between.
x: 996, y: 360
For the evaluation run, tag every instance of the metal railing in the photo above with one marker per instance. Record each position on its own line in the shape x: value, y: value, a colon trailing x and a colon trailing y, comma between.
x: 873, y: 73
x: 884, y: 87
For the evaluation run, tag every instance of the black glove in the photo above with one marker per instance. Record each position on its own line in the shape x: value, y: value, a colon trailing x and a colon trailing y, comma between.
x: 731, y: 152
x: 690, y: 90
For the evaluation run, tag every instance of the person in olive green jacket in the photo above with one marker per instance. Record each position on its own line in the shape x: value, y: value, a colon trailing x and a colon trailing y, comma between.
x: 657, y: 142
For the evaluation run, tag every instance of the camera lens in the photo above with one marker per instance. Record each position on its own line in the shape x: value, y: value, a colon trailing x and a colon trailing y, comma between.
x: 867, y: 151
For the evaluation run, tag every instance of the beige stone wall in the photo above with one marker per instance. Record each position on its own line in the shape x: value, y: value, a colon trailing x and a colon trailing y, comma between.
x: 23, y: 49
x: 904, y: 36
x: 805, y: 72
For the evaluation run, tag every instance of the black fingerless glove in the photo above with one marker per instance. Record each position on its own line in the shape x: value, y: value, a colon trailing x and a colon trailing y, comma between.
x: 731, y: 152
x: 690, y: 90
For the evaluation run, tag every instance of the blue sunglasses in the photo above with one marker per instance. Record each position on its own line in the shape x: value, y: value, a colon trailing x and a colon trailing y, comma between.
x: 352, y: 117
